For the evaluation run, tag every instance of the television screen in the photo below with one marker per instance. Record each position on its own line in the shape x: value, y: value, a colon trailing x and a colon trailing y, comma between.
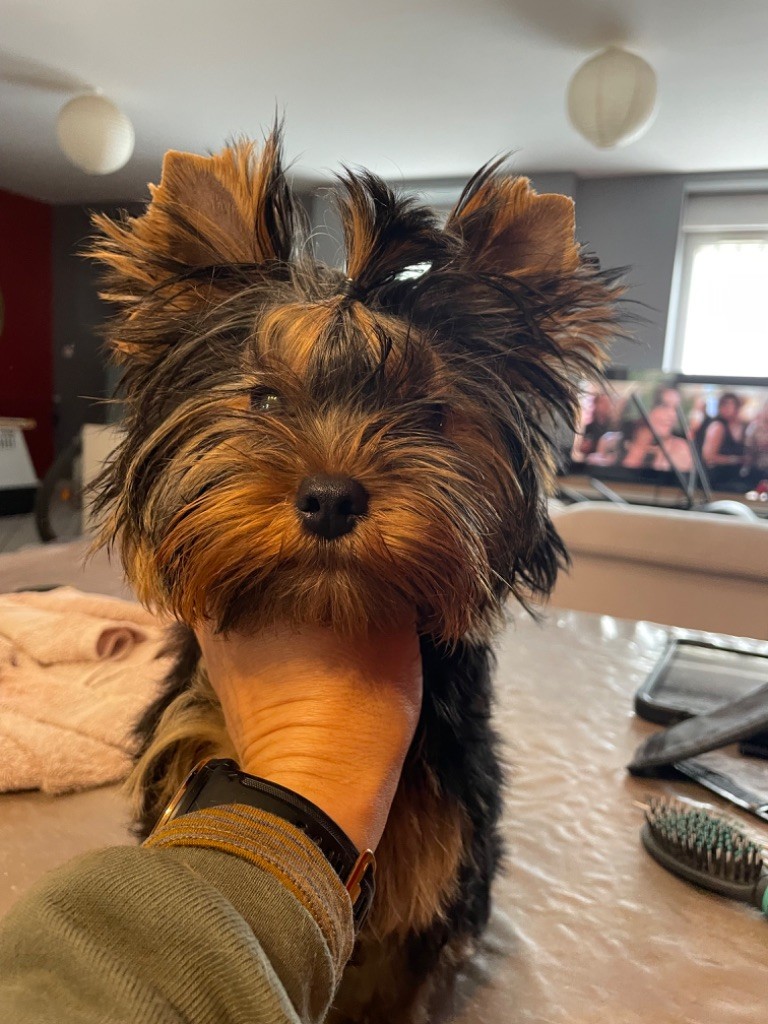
x: 600, y: 439
x: 644, y: 430
x: 729, y: 426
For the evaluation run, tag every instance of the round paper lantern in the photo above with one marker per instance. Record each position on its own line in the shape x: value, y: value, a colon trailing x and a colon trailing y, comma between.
x: 94, y: 134
x: 612, y: 98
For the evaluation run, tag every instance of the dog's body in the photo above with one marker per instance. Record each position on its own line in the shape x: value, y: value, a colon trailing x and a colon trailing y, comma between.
x: 343, y: 449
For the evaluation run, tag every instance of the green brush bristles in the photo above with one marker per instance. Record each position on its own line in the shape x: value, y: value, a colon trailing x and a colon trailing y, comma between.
x: 705, y: 843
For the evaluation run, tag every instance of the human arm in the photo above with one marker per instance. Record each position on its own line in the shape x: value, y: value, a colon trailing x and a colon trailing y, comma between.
x: 188, y: 933
x: 713, y: 442
x: 231, y: 919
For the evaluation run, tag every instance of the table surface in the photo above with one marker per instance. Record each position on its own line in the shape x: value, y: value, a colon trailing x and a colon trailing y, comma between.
x: 586, y: 928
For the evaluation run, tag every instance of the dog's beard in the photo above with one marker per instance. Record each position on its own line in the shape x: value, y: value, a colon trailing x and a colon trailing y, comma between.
x: 232, y: 559
x: 219, y: 536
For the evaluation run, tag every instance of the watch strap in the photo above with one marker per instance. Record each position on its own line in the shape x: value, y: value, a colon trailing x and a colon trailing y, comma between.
x: 218, y: 781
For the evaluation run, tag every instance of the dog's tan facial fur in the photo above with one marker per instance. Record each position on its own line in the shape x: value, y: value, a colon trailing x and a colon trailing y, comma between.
x: 428, y: 372
x: 201, y: 497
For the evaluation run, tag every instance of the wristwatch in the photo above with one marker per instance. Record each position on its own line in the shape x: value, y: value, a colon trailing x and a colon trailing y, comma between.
x: 217, y: 781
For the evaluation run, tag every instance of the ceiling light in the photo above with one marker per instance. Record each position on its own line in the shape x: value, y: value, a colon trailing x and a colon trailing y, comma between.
x: 612, y: 98
x: 94, y: 134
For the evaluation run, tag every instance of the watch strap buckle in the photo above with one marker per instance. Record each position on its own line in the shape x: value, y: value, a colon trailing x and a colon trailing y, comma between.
x: 353, y: 884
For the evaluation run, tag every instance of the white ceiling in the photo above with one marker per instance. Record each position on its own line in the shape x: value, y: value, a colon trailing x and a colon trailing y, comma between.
x: 412, y: 88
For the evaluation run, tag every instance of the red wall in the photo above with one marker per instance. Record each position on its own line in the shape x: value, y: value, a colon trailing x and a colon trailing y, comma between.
x: 26, y: 345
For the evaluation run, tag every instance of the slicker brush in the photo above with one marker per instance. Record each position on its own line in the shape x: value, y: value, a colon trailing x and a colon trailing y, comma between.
x: 706, y: 850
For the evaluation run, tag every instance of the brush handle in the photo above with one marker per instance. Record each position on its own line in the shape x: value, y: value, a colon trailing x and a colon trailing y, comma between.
x: 761, y: 895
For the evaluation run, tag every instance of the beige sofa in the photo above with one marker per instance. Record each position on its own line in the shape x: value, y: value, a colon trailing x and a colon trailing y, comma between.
x: 692, y: 569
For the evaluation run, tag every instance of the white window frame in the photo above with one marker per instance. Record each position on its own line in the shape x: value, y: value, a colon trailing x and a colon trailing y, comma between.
x: 690, y: 238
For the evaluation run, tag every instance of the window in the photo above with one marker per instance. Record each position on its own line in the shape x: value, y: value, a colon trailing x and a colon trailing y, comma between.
x: 720, y: 326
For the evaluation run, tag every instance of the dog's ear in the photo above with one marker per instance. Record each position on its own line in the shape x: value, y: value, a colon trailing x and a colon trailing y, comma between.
x: 213, y: 224
x: 518, y: 302
x: 541, y: 302
x: 505, y: 227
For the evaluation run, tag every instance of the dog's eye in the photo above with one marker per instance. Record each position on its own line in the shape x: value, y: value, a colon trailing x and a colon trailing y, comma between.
x: 264, y: 400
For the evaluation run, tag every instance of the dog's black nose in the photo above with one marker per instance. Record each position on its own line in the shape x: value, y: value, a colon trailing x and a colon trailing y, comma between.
x: 331, y: 505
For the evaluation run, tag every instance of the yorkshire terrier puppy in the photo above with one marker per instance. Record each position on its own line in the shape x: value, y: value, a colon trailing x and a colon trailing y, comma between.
x: 341, y: 447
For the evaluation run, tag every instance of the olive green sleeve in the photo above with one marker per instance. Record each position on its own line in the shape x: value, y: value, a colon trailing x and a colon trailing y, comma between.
x: 228, y: 915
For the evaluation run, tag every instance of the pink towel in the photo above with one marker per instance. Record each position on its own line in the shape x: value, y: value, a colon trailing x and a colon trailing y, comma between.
x: 76, y: 671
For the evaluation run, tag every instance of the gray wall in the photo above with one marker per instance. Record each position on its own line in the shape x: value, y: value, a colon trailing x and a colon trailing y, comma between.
x: 633, y: 222
x: 82, y: 375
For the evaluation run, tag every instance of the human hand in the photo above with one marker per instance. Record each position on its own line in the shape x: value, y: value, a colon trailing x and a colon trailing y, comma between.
x: 330, y: 718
